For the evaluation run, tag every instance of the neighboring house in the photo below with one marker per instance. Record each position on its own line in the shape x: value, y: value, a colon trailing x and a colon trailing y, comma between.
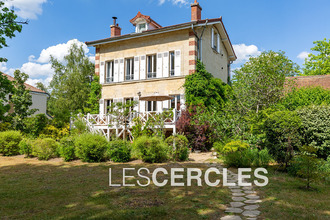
x: 149, y: 66
x: 39, y: 98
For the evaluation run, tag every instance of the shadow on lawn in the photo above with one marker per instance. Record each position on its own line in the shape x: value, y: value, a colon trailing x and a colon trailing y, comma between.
x: 70, y: 191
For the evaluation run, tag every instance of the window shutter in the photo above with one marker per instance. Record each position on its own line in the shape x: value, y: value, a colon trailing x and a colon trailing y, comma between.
x: 136, y: 107
x: 102, y: 71
x: 182, y: 102
x: 159, y: 65
x: 142, y: 106
x: 136, y: 68
x: 212, y: 38
x: 177, y: 63
x: 101, y: 106
x: 165, y: 104
x: 218, y: 47
x: 159, y: 107
x: 116, y: 71
x: 121, y: 70
x: 165, y: 64
x: 143, y: 67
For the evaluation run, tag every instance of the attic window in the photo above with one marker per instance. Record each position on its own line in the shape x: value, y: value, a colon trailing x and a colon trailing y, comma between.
x: 141, y: 27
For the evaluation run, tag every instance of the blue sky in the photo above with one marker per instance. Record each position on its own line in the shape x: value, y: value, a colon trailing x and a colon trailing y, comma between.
x: 253, y: 26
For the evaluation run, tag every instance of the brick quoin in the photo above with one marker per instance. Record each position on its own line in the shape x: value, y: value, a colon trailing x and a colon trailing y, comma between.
x: 192, y: 71
x: 97, y: 66
x: 97, y: 73
x: 97, y: 57
x: 193, y: 53
x: 192, y: 43
x: 97, y: 50
x: 192, y: 62
x: 191, y: 33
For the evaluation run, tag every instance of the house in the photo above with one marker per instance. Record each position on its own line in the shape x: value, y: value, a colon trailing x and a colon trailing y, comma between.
x: 149, y: 66
x: 39, y: 98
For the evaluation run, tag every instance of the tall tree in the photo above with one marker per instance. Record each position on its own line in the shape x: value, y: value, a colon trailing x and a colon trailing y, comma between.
x: 21, y: 100
x: 259, y: 83
x: 318, y: 64
x: 8, y: 26
x: 6, y: 88
x: 71, y: 84
x: 94, y: 96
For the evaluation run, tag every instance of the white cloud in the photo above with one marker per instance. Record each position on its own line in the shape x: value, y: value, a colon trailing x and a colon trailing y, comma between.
x: 244, y: 52
x: 27, y: 9
x: 59, y: 51
x: 303, y: 55
x: 37, y: 70
x: 40, y: 70
x: 175, y: 2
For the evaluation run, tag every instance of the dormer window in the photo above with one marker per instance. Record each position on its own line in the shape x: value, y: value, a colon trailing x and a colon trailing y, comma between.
x: 141, y: 27
x: 143, y: 23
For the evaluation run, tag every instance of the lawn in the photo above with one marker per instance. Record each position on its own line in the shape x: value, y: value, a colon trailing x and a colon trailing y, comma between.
x: 32, y: 189
x: 286, y: 198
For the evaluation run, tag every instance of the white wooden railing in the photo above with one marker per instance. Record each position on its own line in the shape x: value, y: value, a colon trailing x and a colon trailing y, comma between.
x: 96, y: 123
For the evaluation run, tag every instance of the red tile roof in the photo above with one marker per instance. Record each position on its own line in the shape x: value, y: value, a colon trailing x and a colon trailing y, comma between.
x: 29, y: 87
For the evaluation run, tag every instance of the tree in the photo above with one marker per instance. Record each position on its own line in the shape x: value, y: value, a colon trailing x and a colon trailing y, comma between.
x: 282, y: 135
x: 21, y: 100
x: 201, y: 88
x: 6, y: 88
x: 318, y: 64
x: 8, y: 26
x: 71, y: 84
x: 94, y: 96
x: 41, y: 86
x: 307, y: 165
x: 259, y: 83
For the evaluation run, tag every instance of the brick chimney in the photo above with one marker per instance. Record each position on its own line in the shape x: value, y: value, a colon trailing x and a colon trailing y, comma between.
x: 196, y: 11
x: 115, y: 29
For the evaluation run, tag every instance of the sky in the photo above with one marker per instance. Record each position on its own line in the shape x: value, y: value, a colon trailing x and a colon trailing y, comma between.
x: 253, y: 26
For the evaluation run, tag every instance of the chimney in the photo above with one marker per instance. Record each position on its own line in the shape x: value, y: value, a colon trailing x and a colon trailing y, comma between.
x: 115, y: 29
x: 196, y: 11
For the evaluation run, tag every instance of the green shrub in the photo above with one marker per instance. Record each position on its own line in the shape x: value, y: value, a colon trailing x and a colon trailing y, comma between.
x: 35, y: 124
x: 79, y: 127
x: 150, y: 149
x: 119, y: 151
x: 178, y: 147
x: 240, y: 154
x: 307, y: 165
x: 67, y: 149
x: 234, y: 146
x: 25, y: 147
x: 9, y: 142
x: 90, y: 147
x: 305, y: 96
x: 4, y: 126
x: 315, y: 128
x: 44, y: 148
x: 282, y: 136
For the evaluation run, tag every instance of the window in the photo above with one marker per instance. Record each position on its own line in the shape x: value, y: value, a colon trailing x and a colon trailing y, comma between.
x: 151, y: 106
x: 215, y: 40
x: 110, y: 72
x: 108, y: 104
x: 129, y: 69
x: 141, y: 27
x: 152, y: 66
x: 172, y: 63
x: 175, y: 102
x: 129, y: 101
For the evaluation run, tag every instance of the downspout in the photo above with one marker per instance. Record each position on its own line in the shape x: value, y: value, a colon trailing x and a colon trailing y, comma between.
x: 228, y: 77
x: 200, y: 40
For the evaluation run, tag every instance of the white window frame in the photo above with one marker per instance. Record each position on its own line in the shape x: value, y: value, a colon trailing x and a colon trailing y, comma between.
x: 110, y: 73
x: 177, y: 99
x: 153, y: 72
x: 129, y: 69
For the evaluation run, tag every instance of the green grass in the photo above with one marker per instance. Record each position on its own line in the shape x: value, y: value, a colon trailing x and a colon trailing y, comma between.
x: 286, y: 198
x: 32, y: 189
